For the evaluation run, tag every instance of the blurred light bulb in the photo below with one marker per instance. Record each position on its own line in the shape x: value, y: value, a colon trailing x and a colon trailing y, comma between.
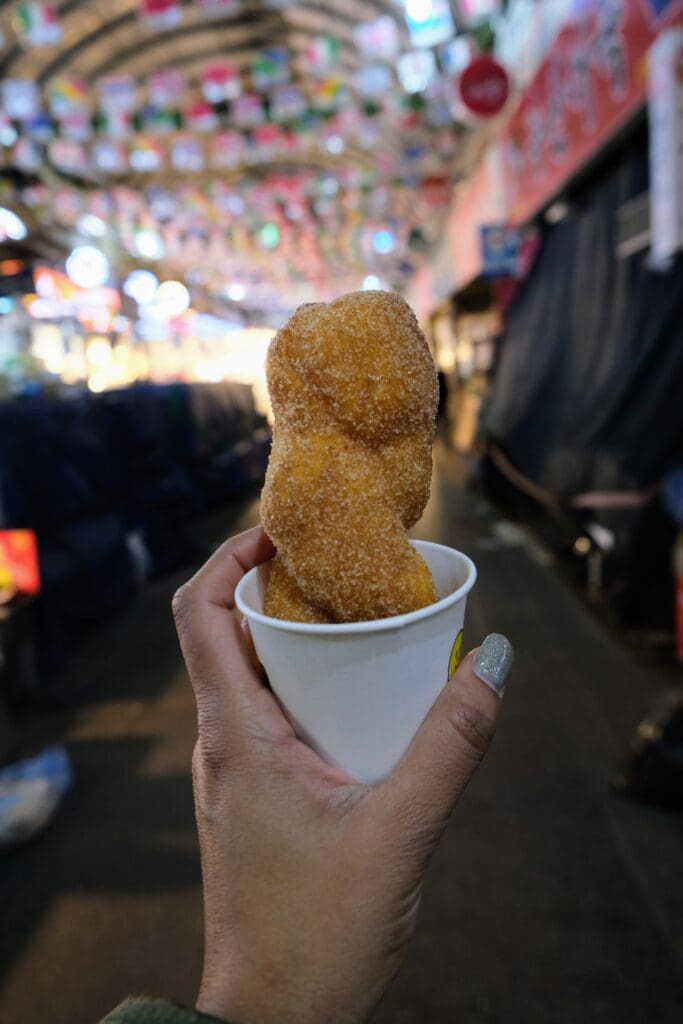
x: 148, y: 244
x: 334, y: 144
x: 236, y: 292
x: 383, y: 241
x: 87, y: 267
x: 11, y: 226
x: 172, y: 298
x: 91, y: 225
x: 141, y: 286
x: 371, y: 283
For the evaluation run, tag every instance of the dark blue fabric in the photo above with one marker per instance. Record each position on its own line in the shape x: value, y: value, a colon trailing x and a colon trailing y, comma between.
x: 85, y: 471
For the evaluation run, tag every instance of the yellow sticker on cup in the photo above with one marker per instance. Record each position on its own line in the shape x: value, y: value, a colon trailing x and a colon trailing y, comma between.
x: 456, y: 655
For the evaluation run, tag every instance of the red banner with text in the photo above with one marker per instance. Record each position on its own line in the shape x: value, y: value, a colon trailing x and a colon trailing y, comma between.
x: 592, y: 81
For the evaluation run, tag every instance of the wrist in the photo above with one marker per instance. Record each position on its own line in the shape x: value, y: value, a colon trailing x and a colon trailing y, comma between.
x: 263, y: 1001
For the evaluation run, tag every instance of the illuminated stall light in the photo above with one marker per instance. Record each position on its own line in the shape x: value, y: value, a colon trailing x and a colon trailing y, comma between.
x: 172, y: 298
x: 141, y: 286
x: 99, y: 353
x: 48, y: 347
x: 12, y: 227
x: 87, y: 267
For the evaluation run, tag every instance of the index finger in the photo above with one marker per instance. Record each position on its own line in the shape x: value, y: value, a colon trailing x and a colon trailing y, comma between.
x: 210, y: 637
x: 215, y: 582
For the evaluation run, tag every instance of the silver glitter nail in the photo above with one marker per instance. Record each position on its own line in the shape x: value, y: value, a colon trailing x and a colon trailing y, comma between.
x: 493, y: 661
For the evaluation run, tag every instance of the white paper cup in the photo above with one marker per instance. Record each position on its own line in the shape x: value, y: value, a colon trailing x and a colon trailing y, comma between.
x: 357, y: 692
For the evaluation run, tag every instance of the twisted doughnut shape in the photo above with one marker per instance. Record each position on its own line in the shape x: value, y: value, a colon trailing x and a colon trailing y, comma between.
x: 354, y: 393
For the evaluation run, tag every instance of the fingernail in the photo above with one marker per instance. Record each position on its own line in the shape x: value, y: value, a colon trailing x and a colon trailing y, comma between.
x: 493, y: 661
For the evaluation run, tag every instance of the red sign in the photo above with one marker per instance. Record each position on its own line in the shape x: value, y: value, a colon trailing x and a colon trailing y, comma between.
x: 592, y: 81
x: 19, y: 572
x: 484, y: 87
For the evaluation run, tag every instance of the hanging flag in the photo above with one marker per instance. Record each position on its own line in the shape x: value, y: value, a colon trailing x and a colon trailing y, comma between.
x: 248, y: 111
x: 219, y: 8
x: 221, y: 81
x: 287, y: 102
x: 68, y: 205
x: 438, y: 112
x: 227, y: 150
x: 8, y: 133
x: 69, y: 156
x: 320, y: 55
x: 477, y: 10
x: 187, y: 154
x: 35, y: 196
x: 68, y: 93
x: 430, y: 24
x: 36, y: 23
x: 40, y: 128
x: 20, y: 98
x: 115, y: 123
x: 165, y: 88
x: 416, y: 70
x: 373, y: 80
x: 146, y: 155
x: 378, y: 39
x: 160, y: 14
x: 455, y: 56
x: 201, y: 117
x: 267, y: 139
x: 108, y: 156
x: 193, y: 200
x: 270, y: 68
x: 157, y: 121
x: 304, y: 130
x: 117, y: 92
x: 101, y: 204
x: 26, y: 155
x: 329, y: 94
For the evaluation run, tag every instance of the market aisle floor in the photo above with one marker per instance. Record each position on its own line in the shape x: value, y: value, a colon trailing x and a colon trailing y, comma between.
x: 549, y: 902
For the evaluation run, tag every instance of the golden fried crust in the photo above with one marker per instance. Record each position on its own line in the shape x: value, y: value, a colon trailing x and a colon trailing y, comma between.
x: 354, y: 395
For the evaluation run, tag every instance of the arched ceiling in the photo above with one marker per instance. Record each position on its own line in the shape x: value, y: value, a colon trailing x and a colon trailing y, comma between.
x: 104, y: 37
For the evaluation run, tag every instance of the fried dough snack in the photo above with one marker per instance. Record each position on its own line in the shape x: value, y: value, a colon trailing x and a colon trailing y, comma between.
x: 354, y: 394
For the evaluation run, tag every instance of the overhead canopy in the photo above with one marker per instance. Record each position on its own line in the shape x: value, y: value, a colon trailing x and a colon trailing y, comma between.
x: 352, y: 183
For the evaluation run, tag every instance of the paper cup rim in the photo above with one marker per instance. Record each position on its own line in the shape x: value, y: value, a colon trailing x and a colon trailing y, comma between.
x: 367, y: 626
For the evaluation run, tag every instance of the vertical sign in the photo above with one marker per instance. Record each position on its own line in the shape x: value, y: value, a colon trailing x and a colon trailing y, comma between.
x: 665, y: 110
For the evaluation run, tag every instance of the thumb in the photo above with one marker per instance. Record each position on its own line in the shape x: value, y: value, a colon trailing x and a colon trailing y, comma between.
x: 423, y: 789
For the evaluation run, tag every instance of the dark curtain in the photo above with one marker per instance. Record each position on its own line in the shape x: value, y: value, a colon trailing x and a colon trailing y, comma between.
x: 587, y: 393
x: 588, y: 390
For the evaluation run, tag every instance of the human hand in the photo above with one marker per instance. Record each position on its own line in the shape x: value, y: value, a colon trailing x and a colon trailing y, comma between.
x: 312, y: 881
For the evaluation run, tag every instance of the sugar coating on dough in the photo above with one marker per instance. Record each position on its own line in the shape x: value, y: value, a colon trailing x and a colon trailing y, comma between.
x: 354, y: 394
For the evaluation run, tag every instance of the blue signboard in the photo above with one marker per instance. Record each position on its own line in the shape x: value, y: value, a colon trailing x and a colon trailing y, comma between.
x: 659, y: 7
x: 499, y: 250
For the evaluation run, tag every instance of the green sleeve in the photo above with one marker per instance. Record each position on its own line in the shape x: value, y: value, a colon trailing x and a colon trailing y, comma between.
x: 156, y: 1011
